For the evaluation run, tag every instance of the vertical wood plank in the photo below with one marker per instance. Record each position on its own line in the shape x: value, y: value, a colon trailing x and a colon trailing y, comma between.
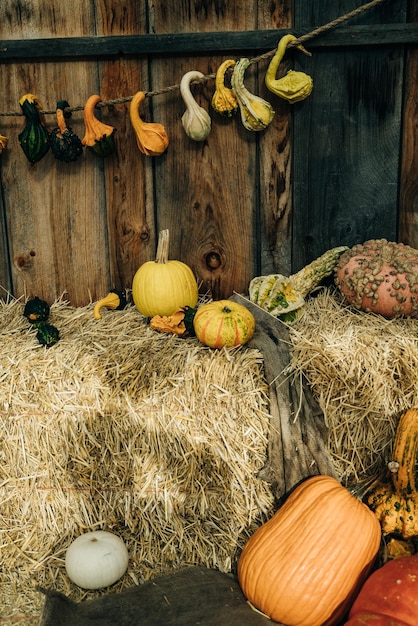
x: 275, y: 156
x: 5, y: 277
x: 206, y: 192
x: 347, y: 138
x: 128, y: 176
x: 408, y: 193
x: 54, y: 211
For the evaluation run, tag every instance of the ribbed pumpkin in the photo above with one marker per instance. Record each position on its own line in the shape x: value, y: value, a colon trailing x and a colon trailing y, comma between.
x: 223, y: 323
x: 395, y: 502
x: 161, y: 287
x: 305, y: 565
x: 389, y: 597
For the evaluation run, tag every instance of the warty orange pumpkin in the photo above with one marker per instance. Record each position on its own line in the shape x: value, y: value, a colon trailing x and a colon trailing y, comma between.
x: 380, y: 276
x: 305, y: 565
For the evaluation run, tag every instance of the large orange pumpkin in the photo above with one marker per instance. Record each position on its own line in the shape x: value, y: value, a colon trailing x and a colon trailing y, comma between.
x: 305, y: 565
x: 223, y: 323
x: 380, y: 276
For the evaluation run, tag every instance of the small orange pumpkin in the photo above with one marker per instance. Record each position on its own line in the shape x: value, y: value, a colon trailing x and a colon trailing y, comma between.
x: 305, y: 566
x: 223, y: 323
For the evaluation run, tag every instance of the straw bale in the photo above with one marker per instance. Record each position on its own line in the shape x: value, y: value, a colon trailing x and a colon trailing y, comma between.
x: 363, y: 370
x: 151, y: 436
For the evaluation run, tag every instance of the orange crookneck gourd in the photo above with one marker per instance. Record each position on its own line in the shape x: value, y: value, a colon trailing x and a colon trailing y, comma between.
x: 151, y: 138
x: 99, y: 137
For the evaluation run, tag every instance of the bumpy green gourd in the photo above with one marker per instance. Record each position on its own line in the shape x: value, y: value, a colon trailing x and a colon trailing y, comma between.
x: 36, y: 310
x: 47, y: 334
x: 281, y: 295
x: 311, y: 275
x: 65, y: 144
x: 34, y: 138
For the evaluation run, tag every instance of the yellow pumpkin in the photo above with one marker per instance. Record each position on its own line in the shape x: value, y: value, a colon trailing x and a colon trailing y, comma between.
x: 161, y: 287
x: 305, y: 566
x: 223, y: 323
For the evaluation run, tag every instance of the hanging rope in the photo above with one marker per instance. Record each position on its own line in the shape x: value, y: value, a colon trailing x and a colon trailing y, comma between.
x: 300, y: 40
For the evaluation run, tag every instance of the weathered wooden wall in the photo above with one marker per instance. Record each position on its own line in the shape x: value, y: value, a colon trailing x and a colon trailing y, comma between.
x: 339, y: 168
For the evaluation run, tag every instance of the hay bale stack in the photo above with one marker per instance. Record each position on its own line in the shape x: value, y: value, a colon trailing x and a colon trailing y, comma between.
x: 363, y: 370
x: 118, y: 427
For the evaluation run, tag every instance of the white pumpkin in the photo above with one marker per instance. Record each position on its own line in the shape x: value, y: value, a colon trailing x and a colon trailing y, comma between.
x: 96, y: 559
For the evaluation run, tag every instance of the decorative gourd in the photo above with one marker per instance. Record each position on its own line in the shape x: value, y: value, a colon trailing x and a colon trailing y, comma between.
x: 65, y: 144
x: 162, y: 286
x: 34, y: 138
x: 3, y: 143
x: 115, y: 300
x: 389, y: 597
x: 395, y: 503
x: 195, y: 120
x: 223, y: 323
x: 179, y: 323
x: 380, y: 276
x: 151, y: 138
x: 280, y: 295
x: 305, y: 565
x: 99, y: 137
x: 294, y: 86
x: 47, y: 334
x: 36, y: 310
x: 256, y: 113
x: 96, y: 559
x: 224, y: 101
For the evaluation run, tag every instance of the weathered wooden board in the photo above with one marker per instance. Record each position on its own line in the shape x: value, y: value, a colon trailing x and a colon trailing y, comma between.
x: 408, y: 200
x: 55, y: 212
x: 128, y: 178
x: 297, y: 440
x: 206, y: 192
x: 346, y: 138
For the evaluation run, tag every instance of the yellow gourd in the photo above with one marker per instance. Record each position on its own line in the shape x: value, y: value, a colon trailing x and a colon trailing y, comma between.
x: 224, y: 101
x: 256, y: 113
x: 294, y: 86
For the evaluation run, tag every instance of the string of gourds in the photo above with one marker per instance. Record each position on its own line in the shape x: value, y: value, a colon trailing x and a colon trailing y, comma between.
x: 152, y: 139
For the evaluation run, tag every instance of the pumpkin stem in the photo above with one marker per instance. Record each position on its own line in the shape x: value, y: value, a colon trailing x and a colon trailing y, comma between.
x: 226, y: 309
x: 162, y: 246
x: 360, y: 489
